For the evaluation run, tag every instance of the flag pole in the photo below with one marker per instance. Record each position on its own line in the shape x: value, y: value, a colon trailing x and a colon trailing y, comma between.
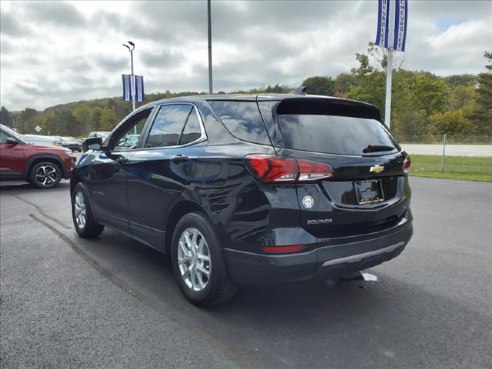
x: 209, y: 13
x: 389, y: 74
x: 389, y: 68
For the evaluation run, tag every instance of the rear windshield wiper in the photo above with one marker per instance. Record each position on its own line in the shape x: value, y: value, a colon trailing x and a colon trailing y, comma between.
x: 376, y: 148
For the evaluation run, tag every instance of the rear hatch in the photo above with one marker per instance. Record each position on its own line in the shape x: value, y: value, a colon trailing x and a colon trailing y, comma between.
x: 364, y: 187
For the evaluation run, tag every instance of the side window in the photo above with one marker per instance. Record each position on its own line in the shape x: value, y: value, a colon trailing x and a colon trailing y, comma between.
x: 3, y: 137
x: 192, y: 131
x: 168, y: 125
x: 242, y: 119
x: 129, y: 137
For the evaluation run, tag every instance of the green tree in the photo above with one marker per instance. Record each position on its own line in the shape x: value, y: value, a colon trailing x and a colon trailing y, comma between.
x: 449, y: 122
x: 369, y: 83
x: 61, y: 122
x: 108, y: 119
x: 277, y: 89
x: 6, y: 118
x: 406, y: 119
x: 481, y: 117
x: 83, y: 114
x: 364, y: 66
x: 27, y: 120
x: 461, y: 96
x: 430, y: 94
x: 343, y: 83
x: 461, y: 80
x: 319, y: 85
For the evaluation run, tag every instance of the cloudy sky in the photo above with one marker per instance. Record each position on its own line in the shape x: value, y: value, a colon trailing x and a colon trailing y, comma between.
x: 54, y: 52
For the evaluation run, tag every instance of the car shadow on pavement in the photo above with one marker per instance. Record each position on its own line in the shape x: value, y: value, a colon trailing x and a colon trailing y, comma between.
x: 390, y: 318
x: 6, y: 186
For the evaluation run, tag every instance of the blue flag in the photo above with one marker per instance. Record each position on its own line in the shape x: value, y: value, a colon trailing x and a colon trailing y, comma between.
x: 401, y: 16
x: 383, y: 23
x: 127, y: 90
x: 139, y: 92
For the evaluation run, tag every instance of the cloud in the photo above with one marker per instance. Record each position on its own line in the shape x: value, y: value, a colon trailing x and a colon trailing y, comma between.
x: 70, y: 51
x: 11, y: 26
x: 55, y: 13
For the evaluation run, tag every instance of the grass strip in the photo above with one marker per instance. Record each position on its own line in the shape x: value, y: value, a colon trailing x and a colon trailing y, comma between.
x: 468, y: 168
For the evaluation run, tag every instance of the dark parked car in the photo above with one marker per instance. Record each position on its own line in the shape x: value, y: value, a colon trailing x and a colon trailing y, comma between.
x: 42, y: 166
x: 255, y: 190
x: 102, y: 134
x: 71, y: 143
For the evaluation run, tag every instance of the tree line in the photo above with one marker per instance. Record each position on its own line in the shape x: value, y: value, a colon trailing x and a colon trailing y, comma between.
x: 422, y: 103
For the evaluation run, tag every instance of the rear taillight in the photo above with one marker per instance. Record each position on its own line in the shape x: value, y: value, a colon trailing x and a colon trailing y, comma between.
x: 282, y: 169
x: 407, y: 163
x: 311, y: 171
x: 273, y: 168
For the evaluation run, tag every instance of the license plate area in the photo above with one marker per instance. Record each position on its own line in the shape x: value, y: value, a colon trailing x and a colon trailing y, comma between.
x: 369, y: 192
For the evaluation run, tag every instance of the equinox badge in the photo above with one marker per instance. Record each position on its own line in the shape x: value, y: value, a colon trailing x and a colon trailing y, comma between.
x: 376, y: 169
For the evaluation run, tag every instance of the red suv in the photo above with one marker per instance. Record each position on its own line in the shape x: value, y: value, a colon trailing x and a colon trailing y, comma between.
x: 42, y: 166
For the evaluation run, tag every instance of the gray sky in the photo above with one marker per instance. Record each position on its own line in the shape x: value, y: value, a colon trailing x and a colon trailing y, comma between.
x: 54, y: 52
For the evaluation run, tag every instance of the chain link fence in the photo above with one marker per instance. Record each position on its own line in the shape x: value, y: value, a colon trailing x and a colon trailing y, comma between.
x: 445, y: 138
x: 465, y: 157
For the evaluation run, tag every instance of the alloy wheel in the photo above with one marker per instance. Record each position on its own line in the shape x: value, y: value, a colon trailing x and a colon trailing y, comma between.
x: 46, y: 175
x: 80, y: 211
x: 194, y: 260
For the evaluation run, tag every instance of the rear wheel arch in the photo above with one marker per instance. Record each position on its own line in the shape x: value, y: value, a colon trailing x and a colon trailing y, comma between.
x: 83, y: 217
x: 178, y: 211
x: 198, y: 261
x: 44, y: 174
x: 32, y: 161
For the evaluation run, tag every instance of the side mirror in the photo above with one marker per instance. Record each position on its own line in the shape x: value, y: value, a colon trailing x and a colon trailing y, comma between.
x: 93, y: 143
x: 11, y: 141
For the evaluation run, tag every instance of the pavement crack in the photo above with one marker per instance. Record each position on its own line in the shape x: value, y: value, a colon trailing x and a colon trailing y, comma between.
x: 174, y: 317
x: 42, y: 212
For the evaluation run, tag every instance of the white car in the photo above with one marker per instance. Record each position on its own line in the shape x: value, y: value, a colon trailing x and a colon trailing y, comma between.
x: 42, y: 140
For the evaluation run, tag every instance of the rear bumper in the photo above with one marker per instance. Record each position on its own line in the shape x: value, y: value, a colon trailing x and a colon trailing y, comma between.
x: 333, y: 260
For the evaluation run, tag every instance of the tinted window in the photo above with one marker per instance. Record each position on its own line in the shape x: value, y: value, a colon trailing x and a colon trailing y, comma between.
x: 3, y: 137
x: 332, y: 134
x: 192, y: 131
x: 128, y: 139
x: 242, y: 119
x: 168, y: 125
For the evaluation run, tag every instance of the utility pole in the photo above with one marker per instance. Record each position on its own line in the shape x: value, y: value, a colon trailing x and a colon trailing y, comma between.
x: 130, y: 48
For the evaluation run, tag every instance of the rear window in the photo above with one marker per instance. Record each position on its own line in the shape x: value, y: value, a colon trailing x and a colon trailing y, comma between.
x: 242, y: 119
x: 334, y: 134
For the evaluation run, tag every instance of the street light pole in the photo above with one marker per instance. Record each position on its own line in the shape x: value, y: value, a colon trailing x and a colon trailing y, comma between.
x: 210, y: 86
x: 130, y: 48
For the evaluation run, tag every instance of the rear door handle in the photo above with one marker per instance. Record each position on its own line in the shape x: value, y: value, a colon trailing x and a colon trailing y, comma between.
x: 179, y: 158
x: 122, y: 160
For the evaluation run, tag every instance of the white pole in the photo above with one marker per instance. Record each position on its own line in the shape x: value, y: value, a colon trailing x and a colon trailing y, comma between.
x: 132, y: 75
x: 209, y: 12
x: 133, y: 80
x: 389, y: 65
x: 389, y: 72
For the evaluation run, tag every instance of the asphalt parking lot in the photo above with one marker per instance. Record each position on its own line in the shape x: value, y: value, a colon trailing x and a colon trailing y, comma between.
x: 112, y: 302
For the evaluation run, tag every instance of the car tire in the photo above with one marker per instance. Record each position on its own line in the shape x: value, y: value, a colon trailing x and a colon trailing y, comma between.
x: 198, y: 262
x: 45, y: 174
x: 83, y: 218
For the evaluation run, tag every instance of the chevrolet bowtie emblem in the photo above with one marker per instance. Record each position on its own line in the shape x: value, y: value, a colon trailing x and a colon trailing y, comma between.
x: 376, y: 169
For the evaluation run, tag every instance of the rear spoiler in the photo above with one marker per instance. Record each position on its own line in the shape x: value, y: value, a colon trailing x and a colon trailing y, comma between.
x: 328, y: 106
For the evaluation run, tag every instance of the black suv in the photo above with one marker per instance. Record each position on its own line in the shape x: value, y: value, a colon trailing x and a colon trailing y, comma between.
x: 255, y: 190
